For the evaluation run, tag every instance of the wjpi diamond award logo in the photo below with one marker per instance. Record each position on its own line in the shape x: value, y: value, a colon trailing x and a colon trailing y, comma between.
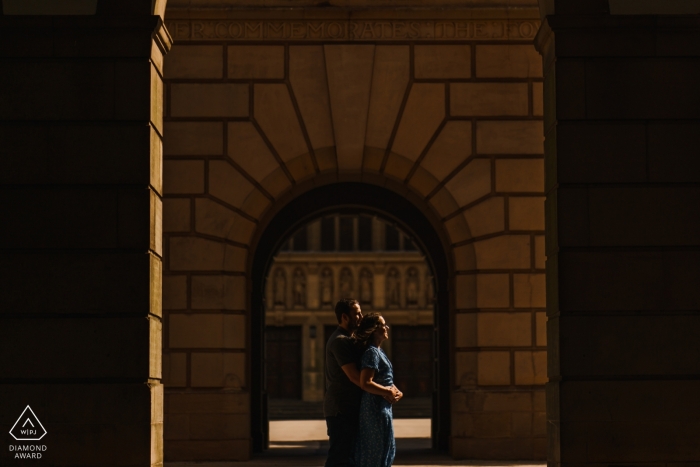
x: 28, y: 428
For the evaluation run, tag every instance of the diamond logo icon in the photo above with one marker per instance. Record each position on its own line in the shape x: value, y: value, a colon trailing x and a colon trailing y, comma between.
x: 28, y: 427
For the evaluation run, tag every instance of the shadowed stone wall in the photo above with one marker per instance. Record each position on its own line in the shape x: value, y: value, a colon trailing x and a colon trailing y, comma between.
x: 80, y: 243
x: 80, y: 260
x: 623, y: 228
x: 255, y: 118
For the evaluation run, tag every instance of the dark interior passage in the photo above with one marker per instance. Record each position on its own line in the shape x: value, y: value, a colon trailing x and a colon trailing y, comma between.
x: 412, y: 358
x: 335, y: 242
x: 283, y: 362
x: 363, y: 256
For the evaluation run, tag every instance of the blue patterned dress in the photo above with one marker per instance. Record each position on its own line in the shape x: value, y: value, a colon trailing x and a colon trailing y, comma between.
x: 376, y: 446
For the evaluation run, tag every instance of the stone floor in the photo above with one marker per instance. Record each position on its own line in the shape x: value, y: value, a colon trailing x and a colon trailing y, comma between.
x: 304, y: 443
x: 291, y: 409
x: 315, y: 430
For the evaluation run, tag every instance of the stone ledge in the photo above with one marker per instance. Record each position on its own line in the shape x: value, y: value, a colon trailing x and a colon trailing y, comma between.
x: 345, y: 28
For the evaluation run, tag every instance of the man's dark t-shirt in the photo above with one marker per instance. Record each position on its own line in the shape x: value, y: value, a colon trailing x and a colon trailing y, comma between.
x: 342, y: 395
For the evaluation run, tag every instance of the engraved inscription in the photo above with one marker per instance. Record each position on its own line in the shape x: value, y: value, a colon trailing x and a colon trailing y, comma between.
x: 367, y: 30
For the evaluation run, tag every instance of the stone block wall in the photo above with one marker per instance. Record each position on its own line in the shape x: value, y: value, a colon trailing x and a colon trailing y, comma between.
x: 622, y: 236
x: 80, y: 243
x: 455, y: 124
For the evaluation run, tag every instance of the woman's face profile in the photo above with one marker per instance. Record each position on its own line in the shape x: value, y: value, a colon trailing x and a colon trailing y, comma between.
x: 382, y: 331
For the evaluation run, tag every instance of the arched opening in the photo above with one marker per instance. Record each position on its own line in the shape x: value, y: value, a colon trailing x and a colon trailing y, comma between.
x: 472, y: 170
x: 351, y: 198
x: 340, y: 255
x: 348, y: 254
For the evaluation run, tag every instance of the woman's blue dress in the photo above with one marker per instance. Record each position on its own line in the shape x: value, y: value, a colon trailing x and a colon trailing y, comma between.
x: 376, y: 446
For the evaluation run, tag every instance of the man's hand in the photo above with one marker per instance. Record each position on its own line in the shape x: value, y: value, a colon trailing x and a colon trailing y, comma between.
x: 353, y: 374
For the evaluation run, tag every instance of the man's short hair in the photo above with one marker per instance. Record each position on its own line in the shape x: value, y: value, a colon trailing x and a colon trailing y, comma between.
x: 344, y: 306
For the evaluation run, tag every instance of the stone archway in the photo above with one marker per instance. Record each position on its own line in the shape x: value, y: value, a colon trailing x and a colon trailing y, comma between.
x: 355, y: 197
x: 454, y: 125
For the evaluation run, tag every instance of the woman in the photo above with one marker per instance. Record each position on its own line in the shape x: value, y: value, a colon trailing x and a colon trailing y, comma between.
x: 375, y: 441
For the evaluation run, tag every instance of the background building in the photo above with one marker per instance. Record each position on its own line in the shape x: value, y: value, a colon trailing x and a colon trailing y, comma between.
x: 340, y: 256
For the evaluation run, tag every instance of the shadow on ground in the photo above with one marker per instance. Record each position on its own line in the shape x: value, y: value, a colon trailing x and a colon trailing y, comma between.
x: 409, y: 451
x: 281, y: 449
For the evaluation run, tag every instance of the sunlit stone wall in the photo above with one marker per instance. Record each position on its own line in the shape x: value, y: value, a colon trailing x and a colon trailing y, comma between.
x: 254, y: 117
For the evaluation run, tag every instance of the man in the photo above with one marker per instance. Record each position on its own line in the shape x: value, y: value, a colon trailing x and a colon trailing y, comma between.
x: 341, y: 405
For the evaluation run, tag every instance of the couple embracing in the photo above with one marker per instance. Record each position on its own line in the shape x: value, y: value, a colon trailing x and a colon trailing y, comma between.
x: 359, y: 390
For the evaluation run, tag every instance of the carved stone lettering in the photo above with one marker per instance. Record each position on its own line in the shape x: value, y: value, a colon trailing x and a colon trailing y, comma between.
x: 221, y: 30
x: 274, y: 31
x: 316, y: 31
x: 253, y: 30
x: 299, y: 30
x: 354, y: 30
x: 335, y: 31
x: 398, y: 29
x: 197, y: 29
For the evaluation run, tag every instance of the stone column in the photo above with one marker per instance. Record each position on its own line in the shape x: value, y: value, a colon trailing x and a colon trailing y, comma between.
x: 80, y: 243
x: 312, y: 382
x: 622, y: 126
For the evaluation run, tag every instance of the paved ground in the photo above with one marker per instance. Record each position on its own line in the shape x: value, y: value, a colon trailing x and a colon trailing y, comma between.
x: 315, y: 430
x: 304, y: 443
x: 421, y: 461
x: 290, y: 409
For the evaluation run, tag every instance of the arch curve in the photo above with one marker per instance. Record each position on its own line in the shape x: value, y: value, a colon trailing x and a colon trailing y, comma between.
x: 352, y: 197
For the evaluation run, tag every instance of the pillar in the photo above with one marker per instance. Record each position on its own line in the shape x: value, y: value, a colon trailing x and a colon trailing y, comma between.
x: 80, y: 243
x: 622, y: 126
x: 312, y: 360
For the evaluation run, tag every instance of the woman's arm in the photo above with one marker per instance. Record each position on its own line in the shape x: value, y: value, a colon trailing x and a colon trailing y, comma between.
x: 368, y: 384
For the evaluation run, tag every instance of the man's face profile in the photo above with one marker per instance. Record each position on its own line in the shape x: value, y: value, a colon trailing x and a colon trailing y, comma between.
x: 354, y: 317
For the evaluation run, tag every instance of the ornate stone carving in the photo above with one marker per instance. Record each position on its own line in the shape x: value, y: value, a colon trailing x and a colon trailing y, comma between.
x: 393, y: 286
x: 366, y: 280
x: 299, y: 288
x: 280, y: 287
x: 327, y: 287
x: 346, y: 285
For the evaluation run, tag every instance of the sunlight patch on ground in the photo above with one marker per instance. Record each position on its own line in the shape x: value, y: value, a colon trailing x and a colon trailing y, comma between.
x: 315, y: 430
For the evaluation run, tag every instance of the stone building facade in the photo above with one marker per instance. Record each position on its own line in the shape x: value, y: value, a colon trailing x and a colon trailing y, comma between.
x: 369, y: 260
